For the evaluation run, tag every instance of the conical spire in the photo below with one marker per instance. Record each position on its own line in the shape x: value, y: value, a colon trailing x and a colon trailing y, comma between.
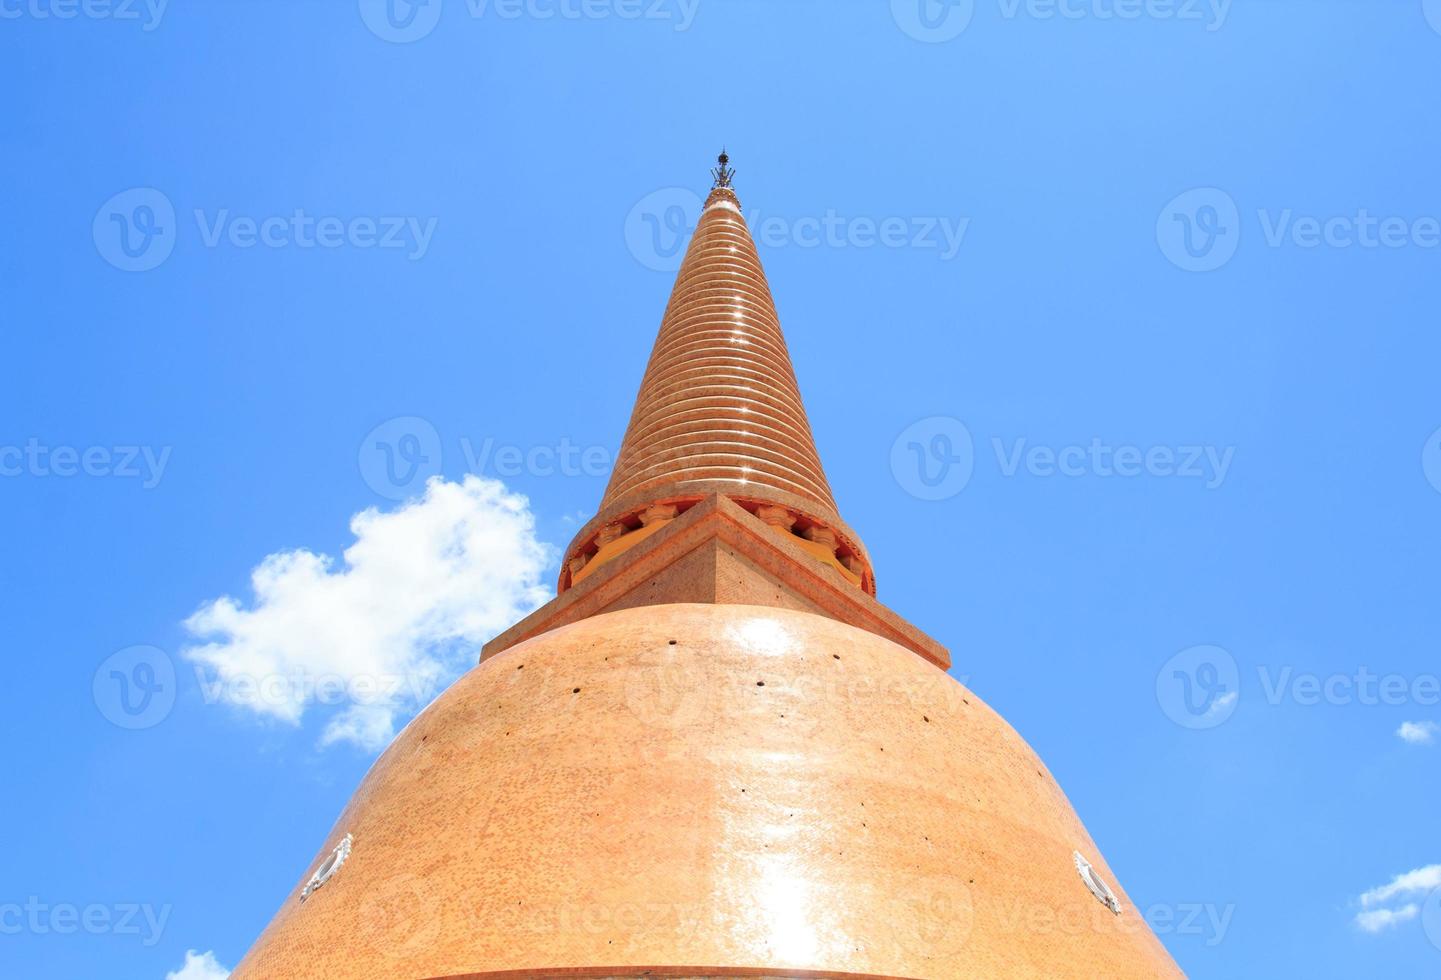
x: 719, y: 410
x: 719, y: 399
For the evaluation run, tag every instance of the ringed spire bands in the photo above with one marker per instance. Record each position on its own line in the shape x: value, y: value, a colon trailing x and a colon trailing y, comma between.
x: 719, y: 399
x: 719, y: 409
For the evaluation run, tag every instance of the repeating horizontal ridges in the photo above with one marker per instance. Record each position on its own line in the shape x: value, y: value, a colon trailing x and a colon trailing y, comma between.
x: 719, y: 399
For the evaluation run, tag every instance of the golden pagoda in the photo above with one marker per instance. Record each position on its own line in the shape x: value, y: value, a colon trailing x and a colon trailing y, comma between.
x: 714, y: 753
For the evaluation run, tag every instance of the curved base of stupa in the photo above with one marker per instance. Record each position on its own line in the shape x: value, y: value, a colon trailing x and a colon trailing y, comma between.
x: 765, y: 792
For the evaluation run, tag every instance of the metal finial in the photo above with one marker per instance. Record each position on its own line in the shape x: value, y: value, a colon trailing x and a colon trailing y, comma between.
x: 723, y: 173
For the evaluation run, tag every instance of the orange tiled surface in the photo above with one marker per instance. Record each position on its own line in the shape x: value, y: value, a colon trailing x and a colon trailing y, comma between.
x: 721, y: 785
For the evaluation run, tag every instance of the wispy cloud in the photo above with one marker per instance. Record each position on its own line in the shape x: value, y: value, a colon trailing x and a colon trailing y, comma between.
x: 1405, y: 885
x: 1409, y: 885
x: 376, y: 636
x: 1377, y: 920
x: 199, y: 966
x: 1418, y: 732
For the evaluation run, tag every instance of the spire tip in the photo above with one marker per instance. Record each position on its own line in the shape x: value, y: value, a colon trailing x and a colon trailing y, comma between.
x: 723, y: 172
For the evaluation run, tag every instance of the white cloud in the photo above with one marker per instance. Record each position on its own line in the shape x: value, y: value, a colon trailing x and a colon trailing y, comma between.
x: 1400, y: 888
x: 1418, y: 732
x: 1405, y: 885
x: 1379, y: 919
x: 378, y: 635
x: 199, y: 966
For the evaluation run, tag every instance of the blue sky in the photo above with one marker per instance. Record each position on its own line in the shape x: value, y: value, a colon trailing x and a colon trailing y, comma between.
x: 1150, y: 289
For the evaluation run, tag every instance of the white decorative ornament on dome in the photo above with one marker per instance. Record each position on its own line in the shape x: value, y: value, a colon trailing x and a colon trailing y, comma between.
x: 328, y: 867
x: 1096, y: 884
